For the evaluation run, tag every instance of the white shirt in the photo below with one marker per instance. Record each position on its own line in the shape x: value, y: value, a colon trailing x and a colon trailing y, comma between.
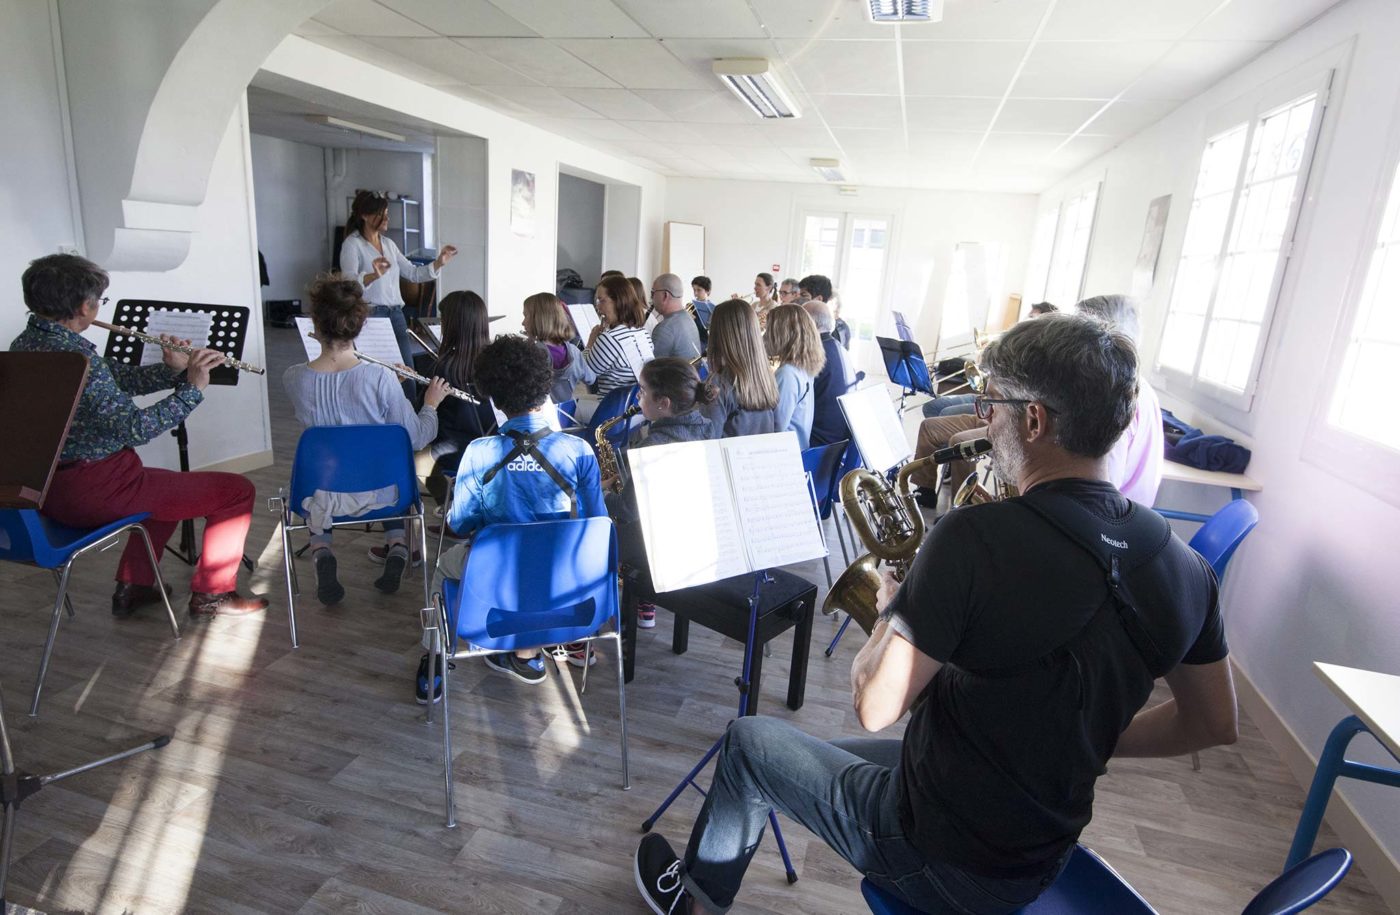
x: 357, y: 258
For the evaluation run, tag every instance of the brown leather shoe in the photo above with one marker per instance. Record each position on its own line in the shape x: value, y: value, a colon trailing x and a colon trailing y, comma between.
x: 229, y: 603
x: 129, y: 598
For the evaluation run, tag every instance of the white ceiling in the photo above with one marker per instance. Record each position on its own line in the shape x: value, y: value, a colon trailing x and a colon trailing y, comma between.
x: 277, y: 107
x: 1005, y: 95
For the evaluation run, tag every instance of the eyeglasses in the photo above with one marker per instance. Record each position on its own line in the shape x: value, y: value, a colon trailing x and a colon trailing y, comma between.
x: 663, y: 292
x: 983, y: 405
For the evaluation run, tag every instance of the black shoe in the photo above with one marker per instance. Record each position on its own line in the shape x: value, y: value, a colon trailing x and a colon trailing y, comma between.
x: 128, y: 598
x: 926, y: 496
x: 394, y: 564
x: 329, y: 590
x: 421, y: 688
x: 531, y: 671
x: 229, y: 603
x: 658, y: 874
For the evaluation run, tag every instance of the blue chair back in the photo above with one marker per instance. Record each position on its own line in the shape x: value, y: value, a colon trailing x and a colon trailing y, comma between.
x: 1302, y: 885
x: 1219, y: 537
x: 27, y: 536
x: 566, y: 413
x: 614, y: 403
x: 533, y: 584
x: 823, y: 462
x: 355, y: 459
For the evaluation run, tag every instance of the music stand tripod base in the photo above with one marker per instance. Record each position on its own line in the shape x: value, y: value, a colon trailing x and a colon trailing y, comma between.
x: 743, y: 684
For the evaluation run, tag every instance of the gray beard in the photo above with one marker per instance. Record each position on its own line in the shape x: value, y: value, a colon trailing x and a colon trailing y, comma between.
x: 1007, y: 456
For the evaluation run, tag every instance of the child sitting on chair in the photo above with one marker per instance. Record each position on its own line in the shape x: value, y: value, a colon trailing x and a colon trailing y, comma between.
x: 337, y: 389
x: 525, y: 473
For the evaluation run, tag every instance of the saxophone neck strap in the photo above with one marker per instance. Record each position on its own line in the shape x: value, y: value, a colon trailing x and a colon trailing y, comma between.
x: 528, y: 443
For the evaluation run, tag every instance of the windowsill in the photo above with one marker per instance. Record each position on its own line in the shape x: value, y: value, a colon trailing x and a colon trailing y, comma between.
x: 1197, y: 414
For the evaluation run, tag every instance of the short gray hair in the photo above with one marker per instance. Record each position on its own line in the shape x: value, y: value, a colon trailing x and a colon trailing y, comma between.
x: 1082, y: 369
x: 1117, y: 311
x: 821, y: 315
x: 671, y: 283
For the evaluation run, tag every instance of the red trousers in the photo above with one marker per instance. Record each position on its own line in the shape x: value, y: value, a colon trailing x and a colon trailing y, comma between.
x: 94, y: 493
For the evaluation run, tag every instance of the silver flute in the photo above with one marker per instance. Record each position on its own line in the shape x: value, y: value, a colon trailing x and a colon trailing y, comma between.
x: 177, y: 347
x: 414, y: 376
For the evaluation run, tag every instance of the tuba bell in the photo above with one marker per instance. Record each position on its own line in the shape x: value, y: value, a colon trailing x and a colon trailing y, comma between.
x: 887, y: 520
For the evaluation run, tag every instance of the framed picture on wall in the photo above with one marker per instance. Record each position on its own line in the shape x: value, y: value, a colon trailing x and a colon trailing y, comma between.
x: 1145, y: 270
x: 522, y: 203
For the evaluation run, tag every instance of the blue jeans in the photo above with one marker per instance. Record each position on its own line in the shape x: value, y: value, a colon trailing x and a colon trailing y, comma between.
x: 400, y: 325
x: 950, y: 405
x: 846, y: 792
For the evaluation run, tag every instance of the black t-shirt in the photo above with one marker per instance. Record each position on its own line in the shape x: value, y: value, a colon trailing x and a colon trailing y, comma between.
x: 1039, y: 676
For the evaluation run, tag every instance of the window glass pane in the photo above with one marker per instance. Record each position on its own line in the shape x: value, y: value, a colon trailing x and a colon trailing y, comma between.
x: 1071, y: 248
x: 819, y: 245
x: 1038, y: 270
x: 865, y: 276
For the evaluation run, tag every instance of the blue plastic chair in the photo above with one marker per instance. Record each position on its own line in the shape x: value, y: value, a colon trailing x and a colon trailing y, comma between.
x: 566, y: 413
x: 1220, y: 536
x: 28, y: 537
x: 823, y: 462
x: 349, y: 459
x: 1089, y: 886
x: 526, y: 585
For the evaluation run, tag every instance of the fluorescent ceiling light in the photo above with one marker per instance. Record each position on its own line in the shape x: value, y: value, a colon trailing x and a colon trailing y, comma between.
x: 358, y: 128
x: 753, y: 80
x: 830, y: 169
x: 904, y: 10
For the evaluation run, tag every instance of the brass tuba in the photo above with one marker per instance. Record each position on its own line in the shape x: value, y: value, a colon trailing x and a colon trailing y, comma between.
x: 607, y: 457
x: 888, y: 522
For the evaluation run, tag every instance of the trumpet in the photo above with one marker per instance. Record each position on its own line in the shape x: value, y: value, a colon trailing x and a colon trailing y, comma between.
x: 229, y: 361
x: 410, y: 375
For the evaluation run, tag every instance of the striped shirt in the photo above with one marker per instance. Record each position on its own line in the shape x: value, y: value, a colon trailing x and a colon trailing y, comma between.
x: 617, y: 355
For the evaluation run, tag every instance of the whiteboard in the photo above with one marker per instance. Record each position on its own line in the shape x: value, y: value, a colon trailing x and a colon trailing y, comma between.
x: 683, y: 250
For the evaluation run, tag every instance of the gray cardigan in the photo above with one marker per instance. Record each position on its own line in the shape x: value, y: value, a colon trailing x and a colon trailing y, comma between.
x: 728, y: 419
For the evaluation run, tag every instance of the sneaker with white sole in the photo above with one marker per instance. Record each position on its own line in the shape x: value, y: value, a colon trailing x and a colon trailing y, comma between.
x: 658, y: 874
x: 377, y: 555
x: 575, y: 652
x: 646, y: 616
x: 531, y: 671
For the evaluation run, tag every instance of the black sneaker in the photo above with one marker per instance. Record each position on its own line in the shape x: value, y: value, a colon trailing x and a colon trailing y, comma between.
x: 394, y: 564
x: 658, y: 874
x: 329, y: 590
x: 531, y: 671
x: 421, y: 688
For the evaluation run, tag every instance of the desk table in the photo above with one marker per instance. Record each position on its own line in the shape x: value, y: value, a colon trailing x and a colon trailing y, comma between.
x: 1237, y: 483
x: 1374, y: 699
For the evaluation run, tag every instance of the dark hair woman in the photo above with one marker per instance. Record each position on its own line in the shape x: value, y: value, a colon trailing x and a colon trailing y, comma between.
x: 372, y: 256
x: 619, y: 345
x: 466, y: 330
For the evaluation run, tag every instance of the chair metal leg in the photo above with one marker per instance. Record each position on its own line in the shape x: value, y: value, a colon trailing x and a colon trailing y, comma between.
x: 160, y: 582
x: 442, y: 527
x: 423, y: 542
x: 440, y: 654
x: 53, y: 634
x: 67, y: 603
x: 841, y: 538
x: 826, y: 564
x: 622, y: 709
x: 291, y: 590
x: 1195, y: 761
x: 587, y: 656
x: 840, y: 632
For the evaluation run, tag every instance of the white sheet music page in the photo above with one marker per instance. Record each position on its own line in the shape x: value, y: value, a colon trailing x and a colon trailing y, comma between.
x: 876, y: 427
x: 183, y: 325
x: 549, y: 411
x: 688, y: 517
x: 585, y: 318
x: 376, y: 339
x: 775, y: 505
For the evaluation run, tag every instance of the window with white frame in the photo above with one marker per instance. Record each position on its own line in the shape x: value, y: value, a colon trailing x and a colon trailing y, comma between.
x: 1060, y: 249
x: 1370, y: 372
x: 1244, y: 211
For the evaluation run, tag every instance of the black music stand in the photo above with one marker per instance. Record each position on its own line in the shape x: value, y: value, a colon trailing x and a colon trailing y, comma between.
x: 39, y: 393
x: 227, y: 334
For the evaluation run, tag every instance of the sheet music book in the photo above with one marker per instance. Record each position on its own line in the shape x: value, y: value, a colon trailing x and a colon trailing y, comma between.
x: 376, y: 339
x: 876, y: 427
x: 193, y: 326
x: 585, y: 318
x: 715, y: 509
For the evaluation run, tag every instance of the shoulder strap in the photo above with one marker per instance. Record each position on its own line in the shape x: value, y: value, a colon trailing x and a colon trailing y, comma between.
x: 528, y: 443
x: 1117, y: 548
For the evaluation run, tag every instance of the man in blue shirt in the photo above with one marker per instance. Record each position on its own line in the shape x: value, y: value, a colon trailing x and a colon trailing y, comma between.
x: 524, y: 473
x: 836, y: 378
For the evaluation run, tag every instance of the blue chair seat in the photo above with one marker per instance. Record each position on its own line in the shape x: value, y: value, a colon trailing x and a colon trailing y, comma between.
x: 57, y: 542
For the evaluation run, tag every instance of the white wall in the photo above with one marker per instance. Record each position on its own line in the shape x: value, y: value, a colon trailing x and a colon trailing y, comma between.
x: 36, y: 215
x: 461, y: 212
x: 580, y: 242
x: 516, y: 266
x: 1318, y: 579
x: 752, y: 225
x: 289, y: 183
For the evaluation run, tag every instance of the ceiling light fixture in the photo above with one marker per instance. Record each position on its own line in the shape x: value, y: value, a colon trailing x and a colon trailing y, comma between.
x: 830, y: 169
x: 894, y: 11
x: 343, y: 124
x: 753, y: 80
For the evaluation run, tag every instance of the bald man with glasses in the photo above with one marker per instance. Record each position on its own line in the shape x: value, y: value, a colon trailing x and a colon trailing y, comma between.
x: 675, y: 334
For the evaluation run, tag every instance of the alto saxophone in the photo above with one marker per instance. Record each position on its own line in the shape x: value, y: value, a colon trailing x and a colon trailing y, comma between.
x: 607, y: 455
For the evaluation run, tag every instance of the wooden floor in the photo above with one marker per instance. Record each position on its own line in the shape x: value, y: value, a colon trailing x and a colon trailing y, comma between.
x: 307, y: 781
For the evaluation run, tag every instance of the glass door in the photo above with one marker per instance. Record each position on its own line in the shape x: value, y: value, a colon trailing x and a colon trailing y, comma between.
x: 851, y: 249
